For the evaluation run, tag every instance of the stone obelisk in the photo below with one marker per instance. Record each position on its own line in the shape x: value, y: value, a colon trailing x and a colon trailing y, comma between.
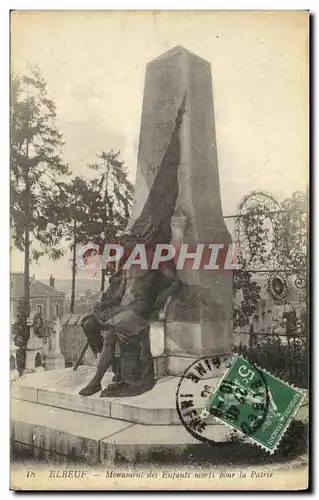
x: 55, y: 359
x: 199, y: 321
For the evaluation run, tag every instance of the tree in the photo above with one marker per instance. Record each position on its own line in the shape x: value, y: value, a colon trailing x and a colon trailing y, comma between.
x: 116, y: 196
x: 97, y: 210
x: 250, y: 296
x: 253, y: 236
x: 36, y: 167
x: 20, y: 335
x: 292, y: 232
x: 113, y: 206
x: 79, y: 211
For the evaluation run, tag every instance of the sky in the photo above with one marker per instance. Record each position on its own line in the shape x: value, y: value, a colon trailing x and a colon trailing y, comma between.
x: 94, y: 65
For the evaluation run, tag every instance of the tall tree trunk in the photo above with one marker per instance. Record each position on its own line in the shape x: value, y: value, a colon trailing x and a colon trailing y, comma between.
x: 105, y: 196
x: 73, y: 268
x: 27, y: 271
x: 27, y: 245
x: 27, y: 280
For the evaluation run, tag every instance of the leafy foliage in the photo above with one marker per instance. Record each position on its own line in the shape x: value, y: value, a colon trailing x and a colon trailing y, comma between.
x: 79, y: 209
x: 113, y: 205
x: 269, y: 236
x: 250, y: 293
x: 255, y: 229
x: 20, y: 333
x: 36, y: 166
x: 36, y: 169
x: 292, y: 232
x: 98, y: 209
x: 286, y: 360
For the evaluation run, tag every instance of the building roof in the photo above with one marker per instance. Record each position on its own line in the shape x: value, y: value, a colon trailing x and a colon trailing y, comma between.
x: 37, y: 288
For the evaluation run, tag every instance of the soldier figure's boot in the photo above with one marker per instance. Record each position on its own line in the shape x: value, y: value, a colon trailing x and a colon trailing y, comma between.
x: 106, y: 359
x: 92, y: 331
x: 129, y: 385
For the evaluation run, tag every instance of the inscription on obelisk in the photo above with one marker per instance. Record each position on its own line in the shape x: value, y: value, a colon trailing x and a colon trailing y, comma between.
x: 163, y: 93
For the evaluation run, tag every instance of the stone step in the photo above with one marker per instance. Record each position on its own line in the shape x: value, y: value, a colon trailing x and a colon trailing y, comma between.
x: 42, y: 430
x: 59, y: 388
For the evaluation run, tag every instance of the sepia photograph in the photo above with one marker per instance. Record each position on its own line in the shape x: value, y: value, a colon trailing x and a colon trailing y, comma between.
x: 159, y: 285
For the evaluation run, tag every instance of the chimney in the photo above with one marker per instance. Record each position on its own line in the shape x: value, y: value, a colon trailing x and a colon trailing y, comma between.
x: 52, y: 281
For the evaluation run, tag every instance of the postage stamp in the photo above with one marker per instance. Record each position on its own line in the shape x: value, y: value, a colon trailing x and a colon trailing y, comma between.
x: 248, y: 399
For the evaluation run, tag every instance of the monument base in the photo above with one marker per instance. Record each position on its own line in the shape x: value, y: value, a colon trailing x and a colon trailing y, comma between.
x: 177, y: 365
x: 49, y: 416
x: 55, y: 363
x: 188, y: 341
x: 51, y: 421
x: 38, y: 369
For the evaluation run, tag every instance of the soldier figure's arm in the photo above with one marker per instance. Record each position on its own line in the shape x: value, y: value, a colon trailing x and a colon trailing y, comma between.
x: 173, y: 286
x: 116, y: 298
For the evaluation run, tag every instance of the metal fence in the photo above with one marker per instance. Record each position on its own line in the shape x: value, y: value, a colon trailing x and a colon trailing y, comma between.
x: 270, y: 292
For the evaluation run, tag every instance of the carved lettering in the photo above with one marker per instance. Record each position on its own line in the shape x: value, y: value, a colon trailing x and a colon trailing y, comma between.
x: 160, y: 103
x: 164, y: 125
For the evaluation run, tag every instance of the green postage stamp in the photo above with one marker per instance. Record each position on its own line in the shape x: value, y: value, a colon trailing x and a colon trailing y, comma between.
x: 254, y: 402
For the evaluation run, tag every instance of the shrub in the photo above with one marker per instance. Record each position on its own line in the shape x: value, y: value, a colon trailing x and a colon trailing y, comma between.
x: 286, y: 360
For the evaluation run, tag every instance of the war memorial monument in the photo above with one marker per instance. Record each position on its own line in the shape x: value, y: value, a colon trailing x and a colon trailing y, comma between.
x: 48, y: 414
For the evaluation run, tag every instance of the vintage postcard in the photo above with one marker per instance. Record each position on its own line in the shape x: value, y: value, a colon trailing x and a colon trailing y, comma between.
x: 159, y: 250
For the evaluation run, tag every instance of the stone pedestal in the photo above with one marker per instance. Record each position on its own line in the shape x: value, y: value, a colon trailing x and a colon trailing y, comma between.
x: 34, y: 350
x: 14, y: 374
x: 55, y: 359
x: 199, y: 321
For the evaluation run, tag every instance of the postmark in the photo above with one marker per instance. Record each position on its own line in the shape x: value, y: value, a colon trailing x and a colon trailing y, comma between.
x: 198, y: 382
x: 247, y: 399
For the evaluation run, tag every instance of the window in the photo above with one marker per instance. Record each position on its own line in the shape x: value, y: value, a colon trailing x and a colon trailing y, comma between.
x: 56, y: 310
x: 39, y: 309
x: 38, y: 360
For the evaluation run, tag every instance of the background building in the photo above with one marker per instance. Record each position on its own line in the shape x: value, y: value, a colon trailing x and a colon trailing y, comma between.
x: 45, y: 299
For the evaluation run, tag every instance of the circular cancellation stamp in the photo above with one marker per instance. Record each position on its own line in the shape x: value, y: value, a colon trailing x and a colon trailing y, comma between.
x: 246, y: 398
